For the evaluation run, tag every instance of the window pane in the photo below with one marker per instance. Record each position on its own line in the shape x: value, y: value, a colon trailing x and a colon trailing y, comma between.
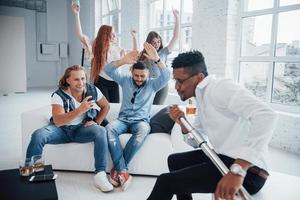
x: 169, y: 17
x: 105, y: 21
x: 288, y: 38
x: 288, y: 2
x: 156, y: 14
x: 104, y: 7
x: 250, y: 5
x: 186, y: 39
x: 287, y: 84
x: 112, y: 5
x: 253, y: 75
x: 187, y: 11
x: 256, y: 36
x: 115, y: 22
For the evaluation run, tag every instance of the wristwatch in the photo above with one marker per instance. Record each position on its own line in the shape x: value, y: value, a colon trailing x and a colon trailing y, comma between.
x: 237, y: 169
x: 157, y: 61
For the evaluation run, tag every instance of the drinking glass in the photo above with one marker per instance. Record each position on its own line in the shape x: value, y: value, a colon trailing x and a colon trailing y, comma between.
x: 38, y: 163
x: 26, y: 167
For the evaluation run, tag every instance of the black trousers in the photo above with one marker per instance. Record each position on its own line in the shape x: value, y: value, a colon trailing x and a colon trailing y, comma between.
x: 110, y: 89
x: 193, y: 172
x: 161, y: 96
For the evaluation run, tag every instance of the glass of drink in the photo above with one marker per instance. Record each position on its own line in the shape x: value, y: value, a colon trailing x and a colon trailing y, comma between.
x: 190, y: 108
x: 38, y: 163
x: 26, y: 167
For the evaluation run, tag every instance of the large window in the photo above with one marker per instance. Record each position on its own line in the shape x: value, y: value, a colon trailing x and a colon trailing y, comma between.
x: 162, y: 21
x: 110, y: 15
x: 270, y: 51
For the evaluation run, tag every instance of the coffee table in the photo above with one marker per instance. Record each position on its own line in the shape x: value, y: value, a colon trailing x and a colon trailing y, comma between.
x: 14, y: 186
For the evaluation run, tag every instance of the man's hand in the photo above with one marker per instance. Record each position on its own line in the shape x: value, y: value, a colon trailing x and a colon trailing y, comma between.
x: 130, y: 58
x: 90, y: 123
x: 86, y: 104
x: 228, y: 186
x: 151, y: 52
x: 175, y: 114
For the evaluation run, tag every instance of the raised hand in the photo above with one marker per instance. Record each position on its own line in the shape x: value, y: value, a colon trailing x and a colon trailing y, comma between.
x: 133, y: 33
x: 130, y: 58
x: 75, y: 8
x: 176, y: 13
x: 151, y: 52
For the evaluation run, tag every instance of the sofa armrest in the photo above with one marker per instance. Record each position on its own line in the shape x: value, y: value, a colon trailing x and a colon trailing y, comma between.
x: 32, y: 120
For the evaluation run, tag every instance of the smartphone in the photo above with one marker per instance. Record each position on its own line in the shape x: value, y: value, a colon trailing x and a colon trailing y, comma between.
x: 44, y: 177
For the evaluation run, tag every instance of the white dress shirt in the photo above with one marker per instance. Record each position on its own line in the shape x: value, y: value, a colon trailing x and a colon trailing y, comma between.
x: 237, y: 123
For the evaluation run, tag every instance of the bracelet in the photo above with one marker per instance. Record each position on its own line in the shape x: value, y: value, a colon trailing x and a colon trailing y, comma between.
x: 157, y: 61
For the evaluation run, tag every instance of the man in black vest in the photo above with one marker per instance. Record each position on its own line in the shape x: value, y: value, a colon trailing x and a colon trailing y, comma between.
x: 75, y: 119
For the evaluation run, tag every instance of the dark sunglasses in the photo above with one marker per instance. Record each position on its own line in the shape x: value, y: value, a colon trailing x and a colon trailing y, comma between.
x: 133, y: 98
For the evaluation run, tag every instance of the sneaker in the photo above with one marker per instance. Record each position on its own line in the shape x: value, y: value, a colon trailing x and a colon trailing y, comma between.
x: 101, y: 182
x: 113, y: 177
x: 125, y: 179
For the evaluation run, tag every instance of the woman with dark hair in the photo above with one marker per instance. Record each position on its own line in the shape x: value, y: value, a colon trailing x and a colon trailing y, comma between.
x: 103, y: 50
x: 155, y: 40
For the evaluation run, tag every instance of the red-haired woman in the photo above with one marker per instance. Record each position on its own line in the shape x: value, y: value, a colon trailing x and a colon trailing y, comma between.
x: 103, y: 50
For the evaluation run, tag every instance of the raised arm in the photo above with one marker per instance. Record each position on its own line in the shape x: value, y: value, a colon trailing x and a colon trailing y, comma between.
x: 151, y: 54
x: 134, y: 40
x: 116, y: 75
x: 134, y: 44
x: 85, y: 42
x: 174, y: 39
x: 129, y: 58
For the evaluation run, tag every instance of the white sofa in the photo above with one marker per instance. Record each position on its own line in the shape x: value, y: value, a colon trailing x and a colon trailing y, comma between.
x: 151, y: 159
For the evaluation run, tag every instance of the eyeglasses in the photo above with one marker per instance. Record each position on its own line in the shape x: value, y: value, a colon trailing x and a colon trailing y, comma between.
x: 133, y: 98
x: 181, y: 81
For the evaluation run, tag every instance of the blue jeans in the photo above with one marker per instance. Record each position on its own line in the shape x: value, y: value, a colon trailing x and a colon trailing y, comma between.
x: 75, y: 133
x: 139, y: 131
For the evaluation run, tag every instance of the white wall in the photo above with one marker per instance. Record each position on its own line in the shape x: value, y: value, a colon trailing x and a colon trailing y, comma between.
x: 35, y: 69
x: 12, y: 55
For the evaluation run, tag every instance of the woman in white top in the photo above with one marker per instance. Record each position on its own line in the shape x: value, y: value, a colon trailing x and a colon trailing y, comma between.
x: 101, y: 51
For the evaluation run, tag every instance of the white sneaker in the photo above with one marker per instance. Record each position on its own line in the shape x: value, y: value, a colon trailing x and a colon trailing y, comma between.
x: 101, y: 182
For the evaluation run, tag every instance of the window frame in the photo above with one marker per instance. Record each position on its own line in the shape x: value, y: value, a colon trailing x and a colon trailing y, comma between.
x: 111, y: 12
x: 170, y: 27
x: 182, y: 26
x: 272, y: 59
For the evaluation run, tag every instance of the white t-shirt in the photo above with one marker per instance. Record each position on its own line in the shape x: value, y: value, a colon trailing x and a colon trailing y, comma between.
x: 56, y: 99
x: 113, y: 54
